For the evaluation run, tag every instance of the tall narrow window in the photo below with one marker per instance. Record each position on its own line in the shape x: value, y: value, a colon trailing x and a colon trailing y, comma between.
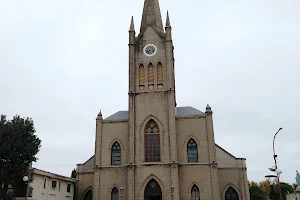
x: 152, y: 142
x: 69, y: 188
x: 195, y: 195
x: 114, y: 194
x: 116, y: 154
x: 192, y: 151
x: 141, y: 74
x: 150, y: 73
x: 45, y: 183
x: 159, y: 72
x: 231, y: 194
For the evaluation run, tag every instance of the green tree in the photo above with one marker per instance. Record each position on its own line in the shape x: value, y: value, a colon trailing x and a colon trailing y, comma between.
x: 255, y: 191
x: 18, y: 148
x: 73, y: 174
x: 285, y: 189
x: 265, y: 188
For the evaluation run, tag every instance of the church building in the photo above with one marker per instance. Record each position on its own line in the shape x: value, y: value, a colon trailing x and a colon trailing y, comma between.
x: 156, y: 150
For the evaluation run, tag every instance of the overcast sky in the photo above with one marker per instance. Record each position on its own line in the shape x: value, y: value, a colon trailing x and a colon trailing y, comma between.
x: 63, y: 61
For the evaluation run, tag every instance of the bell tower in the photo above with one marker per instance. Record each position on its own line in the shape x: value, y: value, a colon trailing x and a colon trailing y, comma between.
x: 151, y: 99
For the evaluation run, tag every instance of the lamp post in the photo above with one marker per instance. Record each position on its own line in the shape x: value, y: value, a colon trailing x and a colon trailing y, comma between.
x: 272, y: 179
x: 278, y: 172
x: 27, y: 180
x: 121, y: 190
x: 172, y: 192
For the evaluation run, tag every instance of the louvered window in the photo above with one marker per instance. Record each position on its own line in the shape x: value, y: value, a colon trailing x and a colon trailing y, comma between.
x: 159, y: 72
x: 141, y: 74
x: 150, y: 73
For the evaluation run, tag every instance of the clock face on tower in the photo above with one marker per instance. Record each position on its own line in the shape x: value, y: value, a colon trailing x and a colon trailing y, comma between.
x: 150, y: 50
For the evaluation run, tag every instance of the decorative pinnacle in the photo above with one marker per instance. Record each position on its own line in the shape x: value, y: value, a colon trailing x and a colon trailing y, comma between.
x: 131, y: 25
x: 99, y: 116
x: 208, y: 109
x: 168, y: 24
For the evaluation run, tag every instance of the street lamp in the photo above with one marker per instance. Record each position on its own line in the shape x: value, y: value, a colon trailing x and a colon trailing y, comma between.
x: 121, y: 189
x: 278, y: 172
x: 27, y: 180
x: 272, y: 179
x: 172, y: 192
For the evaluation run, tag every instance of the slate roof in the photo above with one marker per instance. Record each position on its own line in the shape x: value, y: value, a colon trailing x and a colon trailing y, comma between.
x: 180, y: 111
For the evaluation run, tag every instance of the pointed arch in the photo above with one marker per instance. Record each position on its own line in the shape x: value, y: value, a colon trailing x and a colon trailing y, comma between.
x: 230, y: 189
x: 152, y: 141
x: 160, y: 73
x: 116, y: 154
x: 192, y: 151
x: 147, y: 180
x: 150, y: 73
x: 195, y: 193
x: 114, y: 194
x: 88, y: 193
x: 153, y: 190
x: 141, y: 74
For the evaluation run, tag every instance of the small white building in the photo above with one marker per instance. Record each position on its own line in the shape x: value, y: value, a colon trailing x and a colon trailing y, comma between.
x: 49, y: 186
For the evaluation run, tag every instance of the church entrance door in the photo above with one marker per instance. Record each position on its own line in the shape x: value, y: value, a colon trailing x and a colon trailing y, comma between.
x: 152, y: 191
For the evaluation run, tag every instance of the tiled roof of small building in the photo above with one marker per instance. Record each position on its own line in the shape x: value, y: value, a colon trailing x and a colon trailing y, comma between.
x: 180, y: 111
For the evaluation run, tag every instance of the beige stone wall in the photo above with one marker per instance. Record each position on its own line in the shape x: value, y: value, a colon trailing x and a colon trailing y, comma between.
x: 85, y: 177
x: 198, y: 175
x: 112, y: 132
x: 112, y: 177
x: 161, y: 173
x: 232, y: 173
x: 195, y: 128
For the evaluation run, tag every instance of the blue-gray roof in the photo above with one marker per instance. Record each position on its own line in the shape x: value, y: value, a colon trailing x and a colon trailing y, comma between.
x: 180, y: 111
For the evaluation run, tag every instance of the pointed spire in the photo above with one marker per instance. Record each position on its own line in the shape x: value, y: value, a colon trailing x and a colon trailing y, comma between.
x: 208, y: 109
x: 131, y: 25
x: 99, y: 116
x: 151, y: 16
x: 168, y: 24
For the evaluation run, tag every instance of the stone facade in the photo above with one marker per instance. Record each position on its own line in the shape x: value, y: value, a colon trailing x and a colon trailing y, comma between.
x: 156, y: 150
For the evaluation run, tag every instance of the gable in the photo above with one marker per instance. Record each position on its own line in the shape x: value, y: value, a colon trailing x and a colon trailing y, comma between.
x: 225, y: 159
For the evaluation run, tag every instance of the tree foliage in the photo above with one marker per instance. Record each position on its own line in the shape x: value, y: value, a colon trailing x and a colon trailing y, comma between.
x: 262, y: 190
x: 18, y: 148
x: 255, y: 191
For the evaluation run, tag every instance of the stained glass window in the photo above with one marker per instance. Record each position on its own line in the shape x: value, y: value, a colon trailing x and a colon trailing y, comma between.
x: 152, y: 142
x: 231, y: 194
x: 192, y: 151
x: 88, y: 195
x: 195, y: 195
x: 114, y: 194
x: 116, y: 154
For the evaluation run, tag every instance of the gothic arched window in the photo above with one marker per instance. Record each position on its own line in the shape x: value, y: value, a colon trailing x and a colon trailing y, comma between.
x: 231, y: 194
x: 195, y: 195
x: 114, y: 194
x: 192, y: 151
x: 152, y: 142
x: 150, y: 73
x: 160, y: 72
x: 116, y: 154
x: 141, y: 74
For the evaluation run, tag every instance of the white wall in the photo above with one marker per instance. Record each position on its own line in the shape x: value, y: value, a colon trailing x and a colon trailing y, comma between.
x: 49, y: 193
